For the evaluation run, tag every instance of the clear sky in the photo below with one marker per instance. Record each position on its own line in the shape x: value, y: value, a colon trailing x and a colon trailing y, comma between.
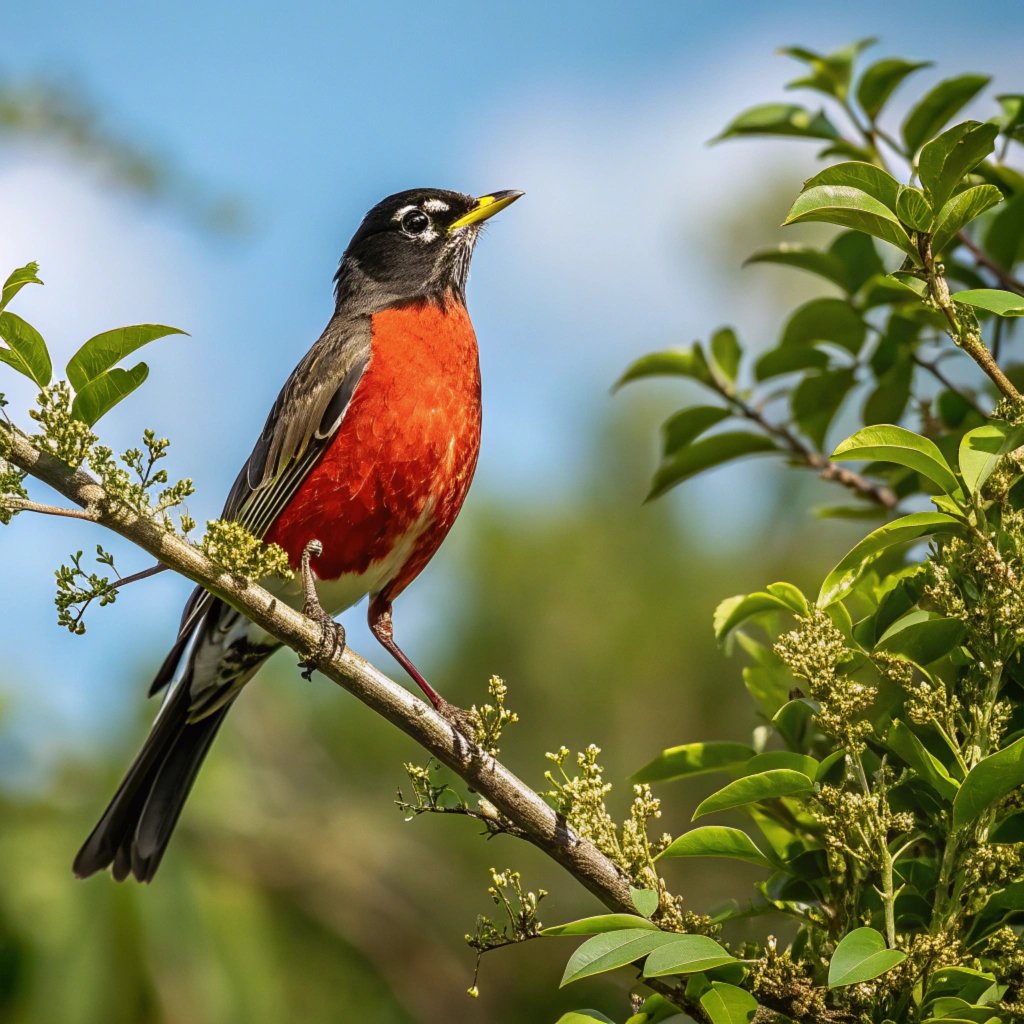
x: 311, y: 112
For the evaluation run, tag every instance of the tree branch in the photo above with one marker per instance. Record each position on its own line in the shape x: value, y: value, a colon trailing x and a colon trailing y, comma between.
x: 487, y: 776
x: 826, y: 468
x: 965, y: 336
x: 982, y: 259
x: 24, y: 505
x: 530, y: 815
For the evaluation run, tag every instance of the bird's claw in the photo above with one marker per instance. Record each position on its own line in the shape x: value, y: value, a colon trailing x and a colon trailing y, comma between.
x: 332, y: 634
x: 462, y: 721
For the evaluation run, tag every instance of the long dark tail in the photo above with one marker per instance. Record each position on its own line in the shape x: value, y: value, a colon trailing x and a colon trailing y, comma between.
x: 135, y: 829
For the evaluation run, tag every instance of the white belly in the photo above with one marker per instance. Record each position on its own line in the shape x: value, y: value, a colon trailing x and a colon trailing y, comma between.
x: 349, y: 589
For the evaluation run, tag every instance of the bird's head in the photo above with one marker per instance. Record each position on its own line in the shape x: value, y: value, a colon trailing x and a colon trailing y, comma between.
x: 417, y: 244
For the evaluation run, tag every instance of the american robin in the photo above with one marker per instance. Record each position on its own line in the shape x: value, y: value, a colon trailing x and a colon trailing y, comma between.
x: 362, y: 466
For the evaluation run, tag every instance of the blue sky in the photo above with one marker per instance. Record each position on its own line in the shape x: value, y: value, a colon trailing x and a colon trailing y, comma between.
x: 312, y: 112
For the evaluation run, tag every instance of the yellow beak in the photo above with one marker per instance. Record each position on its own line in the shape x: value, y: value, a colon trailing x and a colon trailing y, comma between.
x: 486, y: 206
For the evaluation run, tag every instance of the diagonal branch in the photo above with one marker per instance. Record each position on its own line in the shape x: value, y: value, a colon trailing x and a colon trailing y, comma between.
x: 487, y: 776
x: 530, y: 815
x: 825, y: 467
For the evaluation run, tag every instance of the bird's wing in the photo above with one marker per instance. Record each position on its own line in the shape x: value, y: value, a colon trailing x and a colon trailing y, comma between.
x: 303, y: 420
x: 307, y: 414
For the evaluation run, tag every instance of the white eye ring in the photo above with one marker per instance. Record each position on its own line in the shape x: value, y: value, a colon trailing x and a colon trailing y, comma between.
x: 415, y: 222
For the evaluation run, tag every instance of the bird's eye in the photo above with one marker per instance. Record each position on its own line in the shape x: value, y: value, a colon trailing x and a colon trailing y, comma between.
x: 415, y: 222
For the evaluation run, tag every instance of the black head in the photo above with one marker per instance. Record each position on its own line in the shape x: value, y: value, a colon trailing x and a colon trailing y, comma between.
x: 416, y: 244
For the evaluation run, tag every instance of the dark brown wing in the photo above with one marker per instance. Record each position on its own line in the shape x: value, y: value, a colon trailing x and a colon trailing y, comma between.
x: 306, y: 416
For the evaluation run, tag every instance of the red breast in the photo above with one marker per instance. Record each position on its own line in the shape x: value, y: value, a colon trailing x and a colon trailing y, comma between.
x: 405, y: 453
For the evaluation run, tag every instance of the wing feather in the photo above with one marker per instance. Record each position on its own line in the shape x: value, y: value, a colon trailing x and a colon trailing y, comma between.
x: 307, y: 414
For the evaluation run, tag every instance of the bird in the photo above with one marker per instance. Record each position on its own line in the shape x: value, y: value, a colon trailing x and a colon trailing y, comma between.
x: 359, y: 473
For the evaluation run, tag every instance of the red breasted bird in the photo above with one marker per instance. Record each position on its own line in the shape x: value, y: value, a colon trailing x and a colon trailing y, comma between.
x: 369, y: 449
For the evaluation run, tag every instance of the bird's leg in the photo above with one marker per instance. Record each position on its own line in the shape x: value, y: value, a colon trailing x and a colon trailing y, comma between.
x: 332, y: 634
x: 379, y: 618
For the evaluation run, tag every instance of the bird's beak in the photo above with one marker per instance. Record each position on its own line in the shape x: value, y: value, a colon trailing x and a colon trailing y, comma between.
x: 486, y: 206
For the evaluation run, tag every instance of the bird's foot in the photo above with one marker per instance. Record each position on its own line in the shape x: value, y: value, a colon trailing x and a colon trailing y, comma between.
x: 461, y: 720
x: 332, y: 634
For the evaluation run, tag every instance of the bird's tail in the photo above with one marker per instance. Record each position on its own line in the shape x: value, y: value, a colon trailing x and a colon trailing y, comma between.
x: 135, y: 829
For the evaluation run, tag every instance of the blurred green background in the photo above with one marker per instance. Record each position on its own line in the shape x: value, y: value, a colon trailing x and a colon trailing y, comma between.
x: 203, y: 167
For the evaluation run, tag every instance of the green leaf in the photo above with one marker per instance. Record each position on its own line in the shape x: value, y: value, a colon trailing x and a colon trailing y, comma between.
x: 645, y: 900
x: 816, y: 400
x: 826, y: 320
x: 983, y: 447
x: 913, y: 209
x: 991, y: 779
x: 1012, y: 118
x: 599, y: 925
x: 17, y: 280
x: 963, y: 208
x: 831, y: 73
x: 888, y: 400
x: 921, y: 638
x: 102, y: 393
x: 844, y: 577
x: 937, y: 107
x: 726, y: 352
x: 859, y: 255
x: 1004, y: 240
x: 880, y: 80
x: 694, y: 759
x: 584, y: 1017
x: 771, y: 759
x: 607, y: 951
x: 788, y: 359
x: 945, y: 160
x: 26, y: 350
x: 824, y: 264
x: 706, y: 454
x: 851, y: 208
x: 861, y: 175
x: 889, y: 443
x: 718, y: 841
x: 992, y: 299
x: 106, y: 350
x: 904, y: 743
x: 687, y: 954
x: 727, y: 1004
x: 674, y: 362
x: 780, y: 119
x: 734, y: 611
x: 861, y: 956
x: 792, y: 595
x: 959, y: 981
x: 753, y: 788
x: 688, y: 424
x: 830, y: 762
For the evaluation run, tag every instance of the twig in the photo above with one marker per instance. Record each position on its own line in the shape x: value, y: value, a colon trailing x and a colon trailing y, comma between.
x: 982, y: 259
x: 136, y: 576
x: 826, y: 468
x: 23, y: 505
x: 934, y: 370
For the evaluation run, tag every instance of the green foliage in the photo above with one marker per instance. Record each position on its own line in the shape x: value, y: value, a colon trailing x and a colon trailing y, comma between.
x: 880, y: 793
x: 886, y: 774
x: 861, y: 956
